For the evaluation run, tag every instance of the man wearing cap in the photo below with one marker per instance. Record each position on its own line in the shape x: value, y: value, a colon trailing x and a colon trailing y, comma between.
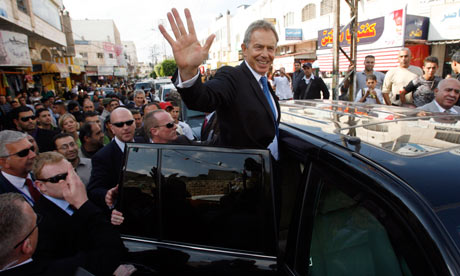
x: 59, y: 108
x: 310, y: 86
x: 247, y: 107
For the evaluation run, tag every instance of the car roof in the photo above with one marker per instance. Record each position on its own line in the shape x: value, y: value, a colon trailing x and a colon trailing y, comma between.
x: 422, y: 149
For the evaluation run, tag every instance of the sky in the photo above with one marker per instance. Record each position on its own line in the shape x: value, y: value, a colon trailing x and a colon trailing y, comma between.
x: 137, y: 20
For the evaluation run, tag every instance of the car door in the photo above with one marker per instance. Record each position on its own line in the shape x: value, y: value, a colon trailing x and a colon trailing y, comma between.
x: 352, y: 221
x: 192, y: 210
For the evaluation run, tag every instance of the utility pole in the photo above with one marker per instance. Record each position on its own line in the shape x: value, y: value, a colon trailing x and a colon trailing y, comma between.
x: 353, y: 25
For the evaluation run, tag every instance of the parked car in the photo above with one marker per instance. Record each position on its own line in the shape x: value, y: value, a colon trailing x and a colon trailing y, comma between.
x: 358, y: 190
x: 145, y: 85
x: 160, y: 81
x: 165, y: 89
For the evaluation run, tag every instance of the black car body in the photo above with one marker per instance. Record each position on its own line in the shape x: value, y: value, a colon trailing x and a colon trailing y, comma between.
x: 358, y: 190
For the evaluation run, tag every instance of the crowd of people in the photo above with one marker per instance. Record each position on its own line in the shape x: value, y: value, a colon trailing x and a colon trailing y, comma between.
x: 61, y: 157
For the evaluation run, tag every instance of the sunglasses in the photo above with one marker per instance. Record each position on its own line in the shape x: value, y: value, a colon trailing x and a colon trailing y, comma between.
x: 39, y: 220
x: 55, y: 179
x: 25, y: 119
x: 168, y: 125
x: 121, y: 124
x: 22, y: 153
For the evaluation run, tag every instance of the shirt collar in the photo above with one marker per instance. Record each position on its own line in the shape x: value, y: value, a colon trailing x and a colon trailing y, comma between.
x: 441, y: 109
x: 312, y: 76
x: 17, y: 181
x: 61, y: 203
x: 120, y: 144
x: 256, y: 75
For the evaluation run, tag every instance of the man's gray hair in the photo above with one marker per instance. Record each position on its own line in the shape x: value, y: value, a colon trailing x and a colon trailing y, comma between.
x: 405, y: 49
x: 13, y: 225
x: 257, y: 25
x: 137, y: 92
x: 151, y: 121
x: 456, y: 56
x: 8, y: 137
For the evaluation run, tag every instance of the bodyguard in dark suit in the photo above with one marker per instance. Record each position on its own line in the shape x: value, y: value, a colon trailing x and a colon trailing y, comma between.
x: 209, y: 129
x: 107, y: 162
x: 64, y: 227
x: 310, y: 86
x: 245, y: 104
x: 16, y: 160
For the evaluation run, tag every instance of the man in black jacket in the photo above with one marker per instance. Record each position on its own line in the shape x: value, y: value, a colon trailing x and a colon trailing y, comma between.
x: 310, y: 86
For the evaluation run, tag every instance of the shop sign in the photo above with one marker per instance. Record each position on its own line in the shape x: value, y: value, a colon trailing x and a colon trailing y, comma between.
x: 91, y: 70
x: 381, y: 32
x: 120, y: 72
x: 105, y: 70
x: 416, y: 27
x: 48, y: 11
x: 445, y: 22
x: 293, y: 34
x: 14, y: 49
x: 63, y: 70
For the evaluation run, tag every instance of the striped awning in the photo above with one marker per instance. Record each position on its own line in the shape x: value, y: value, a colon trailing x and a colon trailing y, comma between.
x: 385, y: 59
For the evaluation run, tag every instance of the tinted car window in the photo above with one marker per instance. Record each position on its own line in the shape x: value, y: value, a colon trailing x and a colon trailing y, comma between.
x: 138, y: 193
x: 215, y: 199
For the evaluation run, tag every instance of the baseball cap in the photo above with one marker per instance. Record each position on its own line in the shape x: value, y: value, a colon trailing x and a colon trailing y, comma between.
x: 306, y: 64
x: 164, y: 105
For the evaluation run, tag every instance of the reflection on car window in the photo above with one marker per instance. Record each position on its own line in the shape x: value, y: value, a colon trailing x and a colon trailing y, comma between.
x: 214, y: 199
x: 349, y: 240
x: 139, y: 193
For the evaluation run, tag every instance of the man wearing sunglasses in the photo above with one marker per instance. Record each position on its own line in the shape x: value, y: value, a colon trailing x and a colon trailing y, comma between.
x: 64, y: 204
x: 107, y: 162
x: 26, y: 121
x: 17, y: 156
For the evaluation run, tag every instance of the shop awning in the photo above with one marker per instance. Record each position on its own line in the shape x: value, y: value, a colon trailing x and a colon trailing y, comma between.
x: 47, y: 67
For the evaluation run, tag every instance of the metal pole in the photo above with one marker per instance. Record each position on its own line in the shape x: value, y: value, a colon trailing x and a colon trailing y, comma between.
x: 353, y: 44
x: 335, y: 49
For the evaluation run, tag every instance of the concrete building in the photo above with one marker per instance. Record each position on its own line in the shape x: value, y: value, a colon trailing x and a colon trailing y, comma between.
x: 130, y: 53
x: 32, y: 36
x: 99, y: 44
x: 144, y: 70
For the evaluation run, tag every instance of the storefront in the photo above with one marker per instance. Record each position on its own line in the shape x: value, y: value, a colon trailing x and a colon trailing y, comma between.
x: 14, y: 62
x: 444, y: 34
x: 381, y: 37
x: 52, y: 76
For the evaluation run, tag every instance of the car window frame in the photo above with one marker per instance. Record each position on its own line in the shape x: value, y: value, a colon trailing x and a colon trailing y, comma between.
x: 267, y: 177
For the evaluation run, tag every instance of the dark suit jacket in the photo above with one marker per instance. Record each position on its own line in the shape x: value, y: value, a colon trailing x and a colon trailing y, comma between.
x: 39, y: 268
x: 106, y: 168
x: 245, y: 116
x: 75, y: 237
x: 211, y: 128
x: 7, y: 187
x: 314, y: 91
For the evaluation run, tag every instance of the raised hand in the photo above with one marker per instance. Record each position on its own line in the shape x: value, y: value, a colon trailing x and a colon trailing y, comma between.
x: 74, y: 191
x: 188, y: 52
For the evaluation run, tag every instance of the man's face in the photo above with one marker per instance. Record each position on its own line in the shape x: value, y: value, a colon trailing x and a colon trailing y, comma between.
x: 124, y: 133
x: 22, y: 101
x: 175, y: 113
x: 50, y: 170
x: 448, y: 93
x: 369, y: 64
x: 97, y: 136
x: 161, y: 133
x: 67, y: 147
x: 138, y: 119
x: 139, y: 99
x: 371, y: 84
x: 9, y: 98
x: 44, y: 118
x: 15, y: 164
x: 260, y: 52
x: 88, y: 106
x: 455, y: 67
x: 26, y: 121
x: 14, y: 104
x: 113, y: 105
x: 2, y: 100
x: 297, y: 66
x: 307, y: 70
x: 404, y: 59
x: 94, y: 118
x: 430, y: 69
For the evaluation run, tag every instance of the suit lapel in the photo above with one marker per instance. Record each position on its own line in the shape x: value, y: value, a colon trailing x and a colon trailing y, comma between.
x: 258, y: 91
x: 6, y: 186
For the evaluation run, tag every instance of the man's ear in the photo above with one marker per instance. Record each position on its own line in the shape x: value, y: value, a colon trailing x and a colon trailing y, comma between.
x: 16, y: 123
x: 244, y: 48
x: 41, y: 186
x: 26, y: 247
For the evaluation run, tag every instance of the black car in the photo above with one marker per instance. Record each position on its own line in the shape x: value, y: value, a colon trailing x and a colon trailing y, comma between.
x: 358, y: 190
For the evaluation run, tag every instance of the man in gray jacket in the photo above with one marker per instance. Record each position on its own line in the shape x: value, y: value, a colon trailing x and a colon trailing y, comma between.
x: 446, y: 95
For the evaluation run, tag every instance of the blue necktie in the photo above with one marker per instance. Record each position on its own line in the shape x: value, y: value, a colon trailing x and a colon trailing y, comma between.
x: 264, y: 82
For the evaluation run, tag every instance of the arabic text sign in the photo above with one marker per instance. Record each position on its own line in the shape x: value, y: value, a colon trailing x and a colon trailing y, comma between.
x: 293, y: 34
x: 416, y: 27
x: 14, y: 49
x: 369, y: 31
x: 445, y: 22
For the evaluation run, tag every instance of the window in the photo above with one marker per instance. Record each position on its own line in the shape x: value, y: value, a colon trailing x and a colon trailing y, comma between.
x: 110, y: 55
x: 288, y: 19
x: 206, y: 198
x: 84, y: 54
x: 100, y: 55
x: 22, y: 5
x: 326, y: 7
x: 308, y: 12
